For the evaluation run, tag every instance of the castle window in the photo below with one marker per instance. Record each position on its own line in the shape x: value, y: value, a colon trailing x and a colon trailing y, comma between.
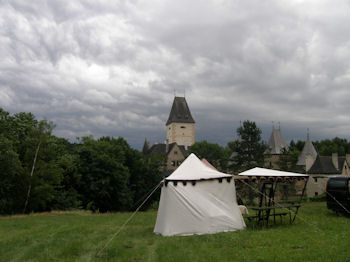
x: 175, y: 152
x: 315, y: 178
x: 173, y: 163
x: 316, y: 193
x: 183, y: 127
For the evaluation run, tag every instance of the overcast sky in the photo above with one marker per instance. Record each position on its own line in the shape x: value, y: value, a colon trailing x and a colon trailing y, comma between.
x: 101, y: 67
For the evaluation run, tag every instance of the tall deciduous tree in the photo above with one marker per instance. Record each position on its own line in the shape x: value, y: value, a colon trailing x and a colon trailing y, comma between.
x: 248, y: 149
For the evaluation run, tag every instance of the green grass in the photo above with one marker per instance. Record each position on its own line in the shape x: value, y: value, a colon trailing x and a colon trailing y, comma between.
x: 317, y: 235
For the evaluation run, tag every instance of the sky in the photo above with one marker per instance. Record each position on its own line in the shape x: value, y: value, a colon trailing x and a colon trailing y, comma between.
x: 112, y: 68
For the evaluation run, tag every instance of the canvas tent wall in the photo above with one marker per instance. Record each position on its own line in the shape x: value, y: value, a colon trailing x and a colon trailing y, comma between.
x: 196, y: 199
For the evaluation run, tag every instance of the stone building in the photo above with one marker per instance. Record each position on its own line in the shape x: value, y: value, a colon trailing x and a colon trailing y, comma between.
x: 320, y: 168
x: 180, y: 128
x: 324, y: 167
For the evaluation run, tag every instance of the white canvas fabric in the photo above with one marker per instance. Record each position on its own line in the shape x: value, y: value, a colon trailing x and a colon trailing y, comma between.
x: 207, y: 207
x: 257, y: 171
x: 194, y: 169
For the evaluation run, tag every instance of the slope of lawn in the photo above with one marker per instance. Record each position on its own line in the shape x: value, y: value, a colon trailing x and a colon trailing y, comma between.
x: 317, y: 235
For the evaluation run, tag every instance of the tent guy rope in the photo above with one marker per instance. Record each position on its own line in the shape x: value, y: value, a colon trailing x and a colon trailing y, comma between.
x: 128, y: 220
x: 340, y: 204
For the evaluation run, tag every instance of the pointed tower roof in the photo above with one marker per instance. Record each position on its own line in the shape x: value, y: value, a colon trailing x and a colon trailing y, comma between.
x: 276, y: 142
x: 180, y: 112
x: 308, y: 149
x: 146, y: 147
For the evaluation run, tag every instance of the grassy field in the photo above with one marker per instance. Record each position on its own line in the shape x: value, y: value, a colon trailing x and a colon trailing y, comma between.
x: 317, y: 235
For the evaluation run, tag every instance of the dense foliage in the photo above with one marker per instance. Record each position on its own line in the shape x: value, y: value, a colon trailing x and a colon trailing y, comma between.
x: 41, y: 172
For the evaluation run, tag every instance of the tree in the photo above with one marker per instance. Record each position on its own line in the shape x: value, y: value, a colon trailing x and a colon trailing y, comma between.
x: 11, y: 175
x: 336, y: 145
x: 288, y: 159
x: 213, y: 153
x: 248, y: 148
x: 104, y: 175
x: 298, y: 146
x: 47, y: 174
x: 115, y: 177
x: 145, y: 174
x: 31, y: 173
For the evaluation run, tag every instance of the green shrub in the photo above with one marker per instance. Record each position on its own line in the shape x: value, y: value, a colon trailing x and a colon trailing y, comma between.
x: 319, y: 198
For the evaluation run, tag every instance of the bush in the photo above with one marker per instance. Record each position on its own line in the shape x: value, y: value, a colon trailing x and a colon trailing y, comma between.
x: 319, y: 198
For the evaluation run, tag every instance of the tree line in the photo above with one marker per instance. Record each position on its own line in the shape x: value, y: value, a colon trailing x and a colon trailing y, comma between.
x: 42, y: 172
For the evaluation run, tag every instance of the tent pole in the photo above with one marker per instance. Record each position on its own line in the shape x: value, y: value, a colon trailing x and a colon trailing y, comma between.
x: 303, y: 192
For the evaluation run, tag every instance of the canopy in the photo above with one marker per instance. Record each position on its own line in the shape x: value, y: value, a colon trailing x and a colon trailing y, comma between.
x: 205, y: 206
x: 194, y: 169
x: 257, y: 171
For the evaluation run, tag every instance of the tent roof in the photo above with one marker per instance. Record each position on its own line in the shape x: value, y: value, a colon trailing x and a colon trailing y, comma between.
x: 208, y: 164
x: 194, y: 169
x: 257, y: 171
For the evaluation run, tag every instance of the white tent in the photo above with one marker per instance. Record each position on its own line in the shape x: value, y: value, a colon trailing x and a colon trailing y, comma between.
x: 263, y: 172
x: 196, y: 199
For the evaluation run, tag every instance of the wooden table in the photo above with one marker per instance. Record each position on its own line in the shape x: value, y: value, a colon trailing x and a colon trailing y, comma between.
x: 264, y: 213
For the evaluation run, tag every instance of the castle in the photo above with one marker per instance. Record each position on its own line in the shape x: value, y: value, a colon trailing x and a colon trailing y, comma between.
x: 180, y: 136
x: 319, y: 168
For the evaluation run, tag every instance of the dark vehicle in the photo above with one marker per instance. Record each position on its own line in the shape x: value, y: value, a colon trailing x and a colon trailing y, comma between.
x: 338, y: 194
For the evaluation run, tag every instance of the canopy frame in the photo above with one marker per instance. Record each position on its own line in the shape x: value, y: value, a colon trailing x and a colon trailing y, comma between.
x: 267, y: 205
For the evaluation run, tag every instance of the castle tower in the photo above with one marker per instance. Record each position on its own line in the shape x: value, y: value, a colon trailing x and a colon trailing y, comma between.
x: 275, y: 149
x: 276, y: 143
x: 308, y: 150
x: 180, y: 124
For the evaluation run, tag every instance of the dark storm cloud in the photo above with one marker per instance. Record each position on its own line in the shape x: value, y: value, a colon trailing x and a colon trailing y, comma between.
x: 111, y: 68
